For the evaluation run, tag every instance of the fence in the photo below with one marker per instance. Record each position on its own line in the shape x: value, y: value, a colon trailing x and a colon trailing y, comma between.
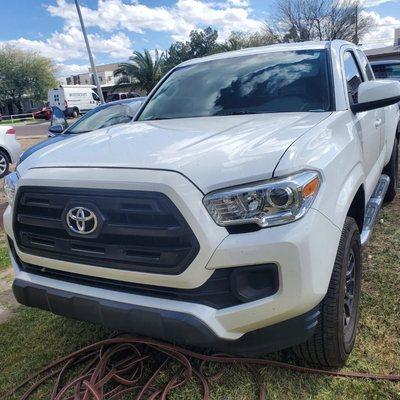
x: 17, y: 117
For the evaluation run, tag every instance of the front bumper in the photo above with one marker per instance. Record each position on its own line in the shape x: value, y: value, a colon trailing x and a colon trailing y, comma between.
x: 171, y: 326
x: 304, y: 252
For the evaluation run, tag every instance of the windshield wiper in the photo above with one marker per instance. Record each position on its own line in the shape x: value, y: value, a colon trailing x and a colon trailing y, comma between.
x: 158, y: 118
x: 75, y: 133
x: 243, y: 112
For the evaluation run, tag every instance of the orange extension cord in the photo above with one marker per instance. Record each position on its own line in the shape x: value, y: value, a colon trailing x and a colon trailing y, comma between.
x: 115, y: 367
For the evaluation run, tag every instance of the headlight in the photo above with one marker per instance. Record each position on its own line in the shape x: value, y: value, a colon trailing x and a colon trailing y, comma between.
x: 10, y: 186
x: 269, y: 203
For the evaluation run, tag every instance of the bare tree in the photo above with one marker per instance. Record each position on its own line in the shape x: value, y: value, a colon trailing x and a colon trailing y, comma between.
x: 300, y: 20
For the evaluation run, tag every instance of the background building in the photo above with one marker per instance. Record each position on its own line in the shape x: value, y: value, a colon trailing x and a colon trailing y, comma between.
x: 106, y: 78
x: 388, y: 52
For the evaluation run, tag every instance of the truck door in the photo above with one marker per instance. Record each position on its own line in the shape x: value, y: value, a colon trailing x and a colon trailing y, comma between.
x: 369, y: 76
x: 367, y: 124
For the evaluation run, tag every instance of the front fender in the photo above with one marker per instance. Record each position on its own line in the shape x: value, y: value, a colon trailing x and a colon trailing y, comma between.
x: 334, y: 149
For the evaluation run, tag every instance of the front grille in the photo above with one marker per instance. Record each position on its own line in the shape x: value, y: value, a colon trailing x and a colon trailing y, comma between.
x: 139, y: 230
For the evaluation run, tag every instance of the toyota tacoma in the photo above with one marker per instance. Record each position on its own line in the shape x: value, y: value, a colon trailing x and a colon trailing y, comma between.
x: 230, y: 214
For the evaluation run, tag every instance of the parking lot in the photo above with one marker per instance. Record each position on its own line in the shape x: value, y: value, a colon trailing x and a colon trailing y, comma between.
x: 29, y: 130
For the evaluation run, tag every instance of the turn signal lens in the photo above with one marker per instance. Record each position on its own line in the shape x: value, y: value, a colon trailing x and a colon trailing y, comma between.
x: 311, y: 187
x: 10, y: 131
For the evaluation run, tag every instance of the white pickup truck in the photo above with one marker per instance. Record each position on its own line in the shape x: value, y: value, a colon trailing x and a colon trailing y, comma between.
x: 230, y: 214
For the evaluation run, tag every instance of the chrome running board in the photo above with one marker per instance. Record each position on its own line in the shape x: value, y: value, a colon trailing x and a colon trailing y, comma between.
x: 373, y: 207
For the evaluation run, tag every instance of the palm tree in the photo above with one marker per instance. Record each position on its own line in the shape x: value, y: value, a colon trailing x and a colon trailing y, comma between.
x: 142, y: 72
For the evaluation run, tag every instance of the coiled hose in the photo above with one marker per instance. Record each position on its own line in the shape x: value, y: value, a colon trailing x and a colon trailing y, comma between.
x: 126, y: 365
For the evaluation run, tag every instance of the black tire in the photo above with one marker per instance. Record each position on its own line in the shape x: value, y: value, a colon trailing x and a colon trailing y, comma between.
x: 391, y: 170
x: 75, y: 113
x: 4, y: 164
x: 335, y: 334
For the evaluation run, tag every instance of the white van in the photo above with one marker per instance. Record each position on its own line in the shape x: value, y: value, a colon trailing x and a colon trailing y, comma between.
x: 73, y: 99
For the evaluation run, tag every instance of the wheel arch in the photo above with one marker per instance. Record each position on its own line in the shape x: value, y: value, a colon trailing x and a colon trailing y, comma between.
x: 357, y: 208
x: 7, y: 153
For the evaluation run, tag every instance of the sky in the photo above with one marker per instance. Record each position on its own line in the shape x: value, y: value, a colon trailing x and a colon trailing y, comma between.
x: 118, y: 27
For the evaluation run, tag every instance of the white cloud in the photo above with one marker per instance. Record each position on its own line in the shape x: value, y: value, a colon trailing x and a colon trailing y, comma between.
x: 227, y: 19
x: 239, y: 3
x: 71, y: 69
x: 374, y: 3
x: 69, y: 45
x: 383, y: 33
x: 178, y: 19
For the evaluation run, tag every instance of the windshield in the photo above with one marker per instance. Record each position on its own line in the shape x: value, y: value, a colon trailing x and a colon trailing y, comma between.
x: 104, y: 117
x: 290, y: 81
x: 387, y: 71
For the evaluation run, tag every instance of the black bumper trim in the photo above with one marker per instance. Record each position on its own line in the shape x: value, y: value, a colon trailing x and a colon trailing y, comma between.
x: 171, y: 326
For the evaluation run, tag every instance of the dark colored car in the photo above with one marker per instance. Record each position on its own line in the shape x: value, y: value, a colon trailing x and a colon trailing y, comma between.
x: 121, y: 96
x: 388, y: 69
x: 108, y: 114
x: 105, y: 115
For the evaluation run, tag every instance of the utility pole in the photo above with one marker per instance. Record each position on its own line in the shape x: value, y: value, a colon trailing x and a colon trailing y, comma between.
x: 356, y: 24
x: 96, y: 78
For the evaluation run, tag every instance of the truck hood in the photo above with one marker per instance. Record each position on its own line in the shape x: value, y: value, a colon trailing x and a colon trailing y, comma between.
x: 213, y: 152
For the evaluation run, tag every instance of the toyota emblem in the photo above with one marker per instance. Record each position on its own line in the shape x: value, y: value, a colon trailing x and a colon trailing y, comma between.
x: 81, y: 220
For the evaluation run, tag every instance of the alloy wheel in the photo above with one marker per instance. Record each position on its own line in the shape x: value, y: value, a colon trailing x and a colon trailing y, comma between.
x: 349, y: 289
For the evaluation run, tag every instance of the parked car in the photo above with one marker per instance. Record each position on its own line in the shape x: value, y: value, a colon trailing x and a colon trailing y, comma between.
x: 101, y: 117
x: 121, y: 96
x: 73, y: 100
x: 10, y: 149
x: 44, y: 113
x: 230, y: 214
x: 388, y: 69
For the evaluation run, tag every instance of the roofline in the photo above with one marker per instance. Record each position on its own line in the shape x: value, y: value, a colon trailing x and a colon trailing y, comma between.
x: 311, y: 45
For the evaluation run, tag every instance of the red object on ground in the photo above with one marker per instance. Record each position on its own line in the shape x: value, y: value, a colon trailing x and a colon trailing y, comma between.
x: 44, y: 113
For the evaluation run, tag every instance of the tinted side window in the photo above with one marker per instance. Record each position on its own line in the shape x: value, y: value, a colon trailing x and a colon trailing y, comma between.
x: 353, y: 76
x: 380, y: 71
x: 365, y: 65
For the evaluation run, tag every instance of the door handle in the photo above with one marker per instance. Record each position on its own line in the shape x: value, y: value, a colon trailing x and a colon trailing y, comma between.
x: 378, y: 123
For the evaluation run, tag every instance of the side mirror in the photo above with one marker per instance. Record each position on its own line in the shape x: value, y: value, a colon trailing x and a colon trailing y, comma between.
x: 376, y: 94
x: 57, y: 129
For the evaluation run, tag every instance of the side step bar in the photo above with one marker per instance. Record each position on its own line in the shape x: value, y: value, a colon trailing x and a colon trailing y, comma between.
x: 373, y: 207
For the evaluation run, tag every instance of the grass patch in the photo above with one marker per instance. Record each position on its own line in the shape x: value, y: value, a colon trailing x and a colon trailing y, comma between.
x: 14, y: 121
x: 31, y: 338
x: 4, y: 259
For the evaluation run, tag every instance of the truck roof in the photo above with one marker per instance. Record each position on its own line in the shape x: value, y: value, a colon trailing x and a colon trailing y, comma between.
x: 311, y: 45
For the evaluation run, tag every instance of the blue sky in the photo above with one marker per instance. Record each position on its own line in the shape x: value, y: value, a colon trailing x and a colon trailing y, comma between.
x: 117, y: 27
